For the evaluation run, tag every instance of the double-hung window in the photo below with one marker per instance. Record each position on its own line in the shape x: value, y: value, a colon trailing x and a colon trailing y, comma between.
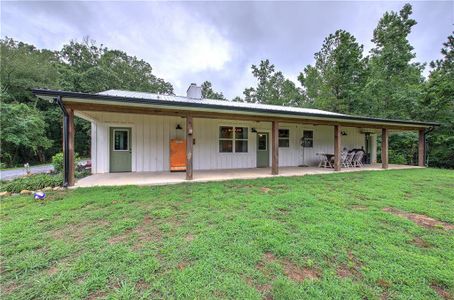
x: 284, y: 138
x: 233, y: 139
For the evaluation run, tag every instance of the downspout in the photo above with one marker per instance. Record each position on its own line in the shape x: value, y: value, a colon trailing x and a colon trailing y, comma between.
x: 65, y: 141
x: 427, y: 131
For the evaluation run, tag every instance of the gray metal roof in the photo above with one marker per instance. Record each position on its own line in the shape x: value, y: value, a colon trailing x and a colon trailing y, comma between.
x: 151, y: 99
x: 215, y: 102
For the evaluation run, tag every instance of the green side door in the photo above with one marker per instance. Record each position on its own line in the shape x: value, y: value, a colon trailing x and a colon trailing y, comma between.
x: 120, y: 149
x: 263, y: 151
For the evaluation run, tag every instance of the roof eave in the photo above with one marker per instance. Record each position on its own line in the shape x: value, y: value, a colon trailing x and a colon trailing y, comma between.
x: 99, y: 97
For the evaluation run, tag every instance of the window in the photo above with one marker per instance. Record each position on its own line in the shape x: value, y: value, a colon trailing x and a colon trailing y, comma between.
x: 263, y: 141
x: 308, y: 139
x: 121, y: 140
x: 284, y: 138
x: 230, y: 137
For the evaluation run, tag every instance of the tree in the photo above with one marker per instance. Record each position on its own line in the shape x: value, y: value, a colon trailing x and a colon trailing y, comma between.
x: 335, y: 81
x: 90, y: 68
x: 209, y: 93
x: 23, y: 132
x: 24, y: 67
x: 394, y: 82
x: 438, y: 104
x: 272, y: 87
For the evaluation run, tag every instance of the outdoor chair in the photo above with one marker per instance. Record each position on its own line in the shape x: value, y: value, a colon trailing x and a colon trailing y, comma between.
x: 324, y: 162
x: 358, y: 159
x: 347, y: 162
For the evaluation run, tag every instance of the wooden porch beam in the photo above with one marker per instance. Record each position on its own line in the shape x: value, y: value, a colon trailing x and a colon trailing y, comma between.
x: 421, y: 148
x: 189, y: 148
x: 337, y: 147
x: 384, y: 148
x: 227, y: 116
x: 275, y: 148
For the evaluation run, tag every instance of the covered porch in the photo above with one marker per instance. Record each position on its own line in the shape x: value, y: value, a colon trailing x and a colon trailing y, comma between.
x: 161, y: 178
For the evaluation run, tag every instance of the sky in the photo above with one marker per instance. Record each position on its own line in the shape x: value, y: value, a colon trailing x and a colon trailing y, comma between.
x: 189, y: 42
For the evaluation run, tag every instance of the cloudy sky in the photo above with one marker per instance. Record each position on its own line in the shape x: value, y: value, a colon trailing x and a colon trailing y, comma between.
x: 218, y: 41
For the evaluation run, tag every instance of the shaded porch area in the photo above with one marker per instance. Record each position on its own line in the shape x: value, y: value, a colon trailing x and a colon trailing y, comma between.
x: 162, y: 178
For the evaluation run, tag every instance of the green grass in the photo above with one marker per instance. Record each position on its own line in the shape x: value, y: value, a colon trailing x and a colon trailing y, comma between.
x: 312, y: 237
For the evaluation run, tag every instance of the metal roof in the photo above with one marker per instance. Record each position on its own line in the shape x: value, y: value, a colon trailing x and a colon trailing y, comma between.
x: 142, y: 98
x: 213, y: 102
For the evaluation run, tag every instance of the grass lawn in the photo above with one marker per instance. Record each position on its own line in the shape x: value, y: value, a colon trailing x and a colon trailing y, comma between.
x: 342, y: 236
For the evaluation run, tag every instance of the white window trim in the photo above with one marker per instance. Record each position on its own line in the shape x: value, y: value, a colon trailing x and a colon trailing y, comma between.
x: 233, y: 139
x: 129, y: 139
x: 288, y: 138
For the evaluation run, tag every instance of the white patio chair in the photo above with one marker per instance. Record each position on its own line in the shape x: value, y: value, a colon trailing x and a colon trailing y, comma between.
x: 358, y: 159
x: 347, y: 162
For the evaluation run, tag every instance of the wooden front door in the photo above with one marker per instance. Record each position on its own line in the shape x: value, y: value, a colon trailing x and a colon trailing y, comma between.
x: 120, y: 149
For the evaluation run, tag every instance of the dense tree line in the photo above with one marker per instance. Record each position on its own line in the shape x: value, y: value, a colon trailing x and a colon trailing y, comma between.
x: 385, y: 83
x: 31, y: 128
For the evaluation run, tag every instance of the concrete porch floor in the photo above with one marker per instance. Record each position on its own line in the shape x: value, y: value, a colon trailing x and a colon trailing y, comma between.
x: 161, y: 178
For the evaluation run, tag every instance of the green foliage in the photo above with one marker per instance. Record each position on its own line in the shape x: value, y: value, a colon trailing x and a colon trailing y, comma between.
x: 58, y: 162
x: 233, y: 240
x: 438, y: 104
x: 394, y: 83
x: 23, y: 131
x: 335, y: 81
x: 272, y: 87
x: 78, y: 66
x: 209, y: 93
x: 32, y: 183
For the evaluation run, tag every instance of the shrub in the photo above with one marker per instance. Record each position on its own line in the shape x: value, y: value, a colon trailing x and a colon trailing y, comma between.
x: 58, y: 161
x: 32, y: 183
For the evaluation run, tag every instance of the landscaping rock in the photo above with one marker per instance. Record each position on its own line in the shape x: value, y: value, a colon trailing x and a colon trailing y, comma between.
x: 56, y: 188
x: 47, y: 189
x: 5, y: 194
x: 25, y: 192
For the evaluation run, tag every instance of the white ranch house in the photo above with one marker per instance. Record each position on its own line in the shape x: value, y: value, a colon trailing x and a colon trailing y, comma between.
x: 144, y: 132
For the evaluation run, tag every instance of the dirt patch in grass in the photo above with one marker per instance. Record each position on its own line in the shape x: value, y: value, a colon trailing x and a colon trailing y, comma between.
x: 265, y: 189
x: 146, y: 232
x: 141, y: 285
x: 299, y: 274
x: 52, y: 271
x: 10, y: 288
x: 182, y: 265
x: 350, y: 269
x: 96, y: 295
x: 420, y: 220
x: 120, y: 238
x: 419, y: 242
x: 76, y: 231
x: 442, y: 292
x: 359, y: 207
x: 291, y: 270
x: 189, y: 238
x: 264, y: 289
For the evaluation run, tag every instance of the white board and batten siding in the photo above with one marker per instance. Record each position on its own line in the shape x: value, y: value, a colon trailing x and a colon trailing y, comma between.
x: 151, y: 137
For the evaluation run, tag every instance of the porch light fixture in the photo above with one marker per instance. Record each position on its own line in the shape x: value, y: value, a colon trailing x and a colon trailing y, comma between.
x: 343, y: 133
x: 178, y: 127
x: 253, y: 130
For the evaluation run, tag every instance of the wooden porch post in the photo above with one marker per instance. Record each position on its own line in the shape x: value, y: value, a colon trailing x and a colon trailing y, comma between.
x: 421, y: 148
x: 337, y: 147
x: 384, y: 148
x: 71, y: 132
x: 275, y: 148
x: 189, y: 148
